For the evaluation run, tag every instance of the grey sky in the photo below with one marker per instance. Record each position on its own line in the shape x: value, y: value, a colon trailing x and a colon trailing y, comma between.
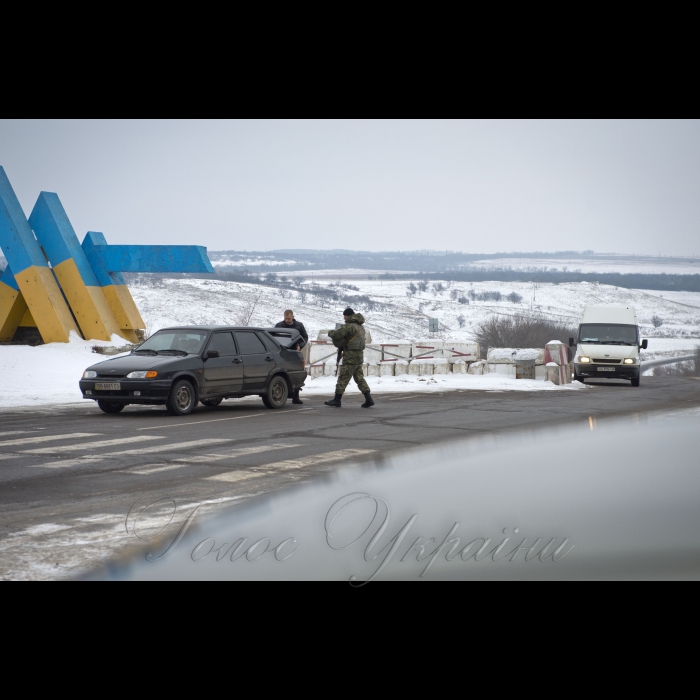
x: 473, y: 186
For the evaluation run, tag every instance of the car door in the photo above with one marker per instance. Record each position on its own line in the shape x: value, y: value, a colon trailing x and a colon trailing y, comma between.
x: 223, y: 374
x: 258, y: 362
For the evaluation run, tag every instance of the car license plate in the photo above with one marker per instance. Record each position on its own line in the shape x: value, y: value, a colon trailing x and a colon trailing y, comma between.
x: 606, y: 369
x: 108, y: 387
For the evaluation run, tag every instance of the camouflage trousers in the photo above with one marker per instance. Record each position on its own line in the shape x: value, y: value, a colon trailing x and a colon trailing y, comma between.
x: 348, y: 372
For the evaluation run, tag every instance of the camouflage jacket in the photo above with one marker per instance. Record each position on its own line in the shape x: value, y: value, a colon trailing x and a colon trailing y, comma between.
x: 342, y: 336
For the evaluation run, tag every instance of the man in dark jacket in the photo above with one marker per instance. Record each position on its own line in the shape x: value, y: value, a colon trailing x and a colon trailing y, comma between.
x: 291, y: 322
x: 350, y: 338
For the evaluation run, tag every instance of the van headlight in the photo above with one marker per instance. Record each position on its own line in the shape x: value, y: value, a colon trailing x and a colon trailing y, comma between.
x: 584, y: 359
x: 629, y: 361
x: 89, y: 375
x: 142, y: 375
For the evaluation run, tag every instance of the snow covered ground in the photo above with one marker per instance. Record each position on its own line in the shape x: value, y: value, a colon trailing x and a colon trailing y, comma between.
x: 47, y: 374
x: 50, y: 374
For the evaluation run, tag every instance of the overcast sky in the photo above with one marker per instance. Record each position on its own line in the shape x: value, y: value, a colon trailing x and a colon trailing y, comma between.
x: 472, y: 186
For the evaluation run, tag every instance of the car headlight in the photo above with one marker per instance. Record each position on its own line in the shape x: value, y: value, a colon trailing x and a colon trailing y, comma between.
x: 142, y: 375
x: 629, y: 361
x: 584, y: 359
x: 90, y: 375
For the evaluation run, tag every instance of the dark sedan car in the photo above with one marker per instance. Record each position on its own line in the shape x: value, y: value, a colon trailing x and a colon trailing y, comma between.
x: 178, y: 367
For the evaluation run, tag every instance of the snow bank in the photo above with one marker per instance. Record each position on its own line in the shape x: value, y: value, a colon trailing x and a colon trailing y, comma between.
x: 325, y: 386
x: 47, y: 374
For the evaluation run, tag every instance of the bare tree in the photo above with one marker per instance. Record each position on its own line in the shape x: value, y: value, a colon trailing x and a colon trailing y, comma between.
x: 246, y: 313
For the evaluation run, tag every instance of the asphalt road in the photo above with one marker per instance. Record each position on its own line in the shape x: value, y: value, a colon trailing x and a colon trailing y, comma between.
x: 69, y: 476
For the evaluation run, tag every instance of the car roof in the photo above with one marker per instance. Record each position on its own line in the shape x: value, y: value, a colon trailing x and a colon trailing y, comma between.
x: 214, y: 328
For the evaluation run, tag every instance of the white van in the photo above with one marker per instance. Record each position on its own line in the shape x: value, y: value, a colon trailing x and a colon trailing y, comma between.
x: 608, y: 344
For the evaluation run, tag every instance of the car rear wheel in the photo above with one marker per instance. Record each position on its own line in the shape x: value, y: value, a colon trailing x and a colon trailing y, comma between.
x: 277, y: 393
x: 182, y: 400
x: 635, y: 381
x: 111, y: 407
x: 211, y: 403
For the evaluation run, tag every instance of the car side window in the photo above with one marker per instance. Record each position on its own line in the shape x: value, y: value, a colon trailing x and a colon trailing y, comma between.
x: 269, y: 342
x: 223, y: 343
x: 249, y: 343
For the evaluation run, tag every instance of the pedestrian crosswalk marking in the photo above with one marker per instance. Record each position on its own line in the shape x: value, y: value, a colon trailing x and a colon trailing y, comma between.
x: 182, y: 462
x: 15, y: 432
x: 288, y: 464
x: 236, y: 452
x: 92, y: 459
x: 91, y: 445
x: 45, y: 438
x: 220, y: 420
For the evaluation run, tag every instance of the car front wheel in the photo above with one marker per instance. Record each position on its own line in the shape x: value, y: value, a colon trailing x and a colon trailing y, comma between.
x: 277, y: 393
x: 182, y: 399
x: 111, y: 407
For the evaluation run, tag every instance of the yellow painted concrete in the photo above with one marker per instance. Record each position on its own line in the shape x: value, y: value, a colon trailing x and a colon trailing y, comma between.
x: 12, y: 308
x: 89, y: 305
x: 124, y: 309
x: 27, y: 320
x: 45, y: 301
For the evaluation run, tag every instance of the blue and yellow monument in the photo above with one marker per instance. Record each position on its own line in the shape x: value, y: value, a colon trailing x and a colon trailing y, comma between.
x: 57, y: 285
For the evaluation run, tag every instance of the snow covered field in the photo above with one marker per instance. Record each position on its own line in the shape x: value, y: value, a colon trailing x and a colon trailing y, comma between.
x: 604, y: 263
x: 50, y: 374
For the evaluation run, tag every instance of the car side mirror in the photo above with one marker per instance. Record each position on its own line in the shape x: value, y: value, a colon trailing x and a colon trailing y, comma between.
x: 571, y: 342
x: 211, y: 354
x: 645, y: 344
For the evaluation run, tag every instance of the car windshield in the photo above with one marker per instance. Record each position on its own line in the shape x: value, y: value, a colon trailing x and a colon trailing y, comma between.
x: 173, y: 343
x: 608, y: 334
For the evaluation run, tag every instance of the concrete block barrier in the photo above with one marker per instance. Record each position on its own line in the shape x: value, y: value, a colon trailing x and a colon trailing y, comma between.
x: 508, y: 356
x: 443, y: 367
x: 315, y: 371
x: 555, y: 351
x: 501, y: 368
x: 427, y: 350
x: 426, y: 369
x: 386, y: 369
x: 373, y: 354
x: 400, y: 368
x: 394, y: 352
x: 414, y: 368
x: 373, y: 370
x: 558, y: 374
x: 460, y: 368
x: 461, y: 352
x: 477, y: 368
x: 320, y: 351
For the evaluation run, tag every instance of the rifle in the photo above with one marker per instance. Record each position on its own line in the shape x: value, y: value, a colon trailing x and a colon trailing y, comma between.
x: 337, y: 361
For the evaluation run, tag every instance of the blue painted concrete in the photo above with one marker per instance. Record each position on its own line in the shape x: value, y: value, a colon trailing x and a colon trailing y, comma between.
x: 106, y: 259
x: 91, y: 244
x: 16, y: 238
x: 56, y: 235
x: 9, y: 279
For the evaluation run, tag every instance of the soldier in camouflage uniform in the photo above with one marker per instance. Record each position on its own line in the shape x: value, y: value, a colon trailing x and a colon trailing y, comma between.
x: 351, y: 340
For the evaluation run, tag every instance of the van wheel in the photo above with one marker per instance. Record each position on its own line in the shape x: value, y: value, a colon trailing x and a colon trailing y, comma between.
x: 635, y: 381
x: 111, y: 407
x: 211, y: 403
x: 182, y: 400
x: 277, y: 393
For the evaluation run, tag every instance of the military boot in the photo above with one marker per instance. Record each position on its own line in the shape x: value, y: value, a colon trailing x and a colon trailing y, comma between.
x: 369, y: 401
x: 295, y: 398
x: 335, y: 402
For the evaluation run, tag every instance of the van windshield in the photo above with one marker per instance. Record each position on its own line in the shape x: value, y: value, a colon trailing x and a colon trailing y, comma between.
x: 608, y: 334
